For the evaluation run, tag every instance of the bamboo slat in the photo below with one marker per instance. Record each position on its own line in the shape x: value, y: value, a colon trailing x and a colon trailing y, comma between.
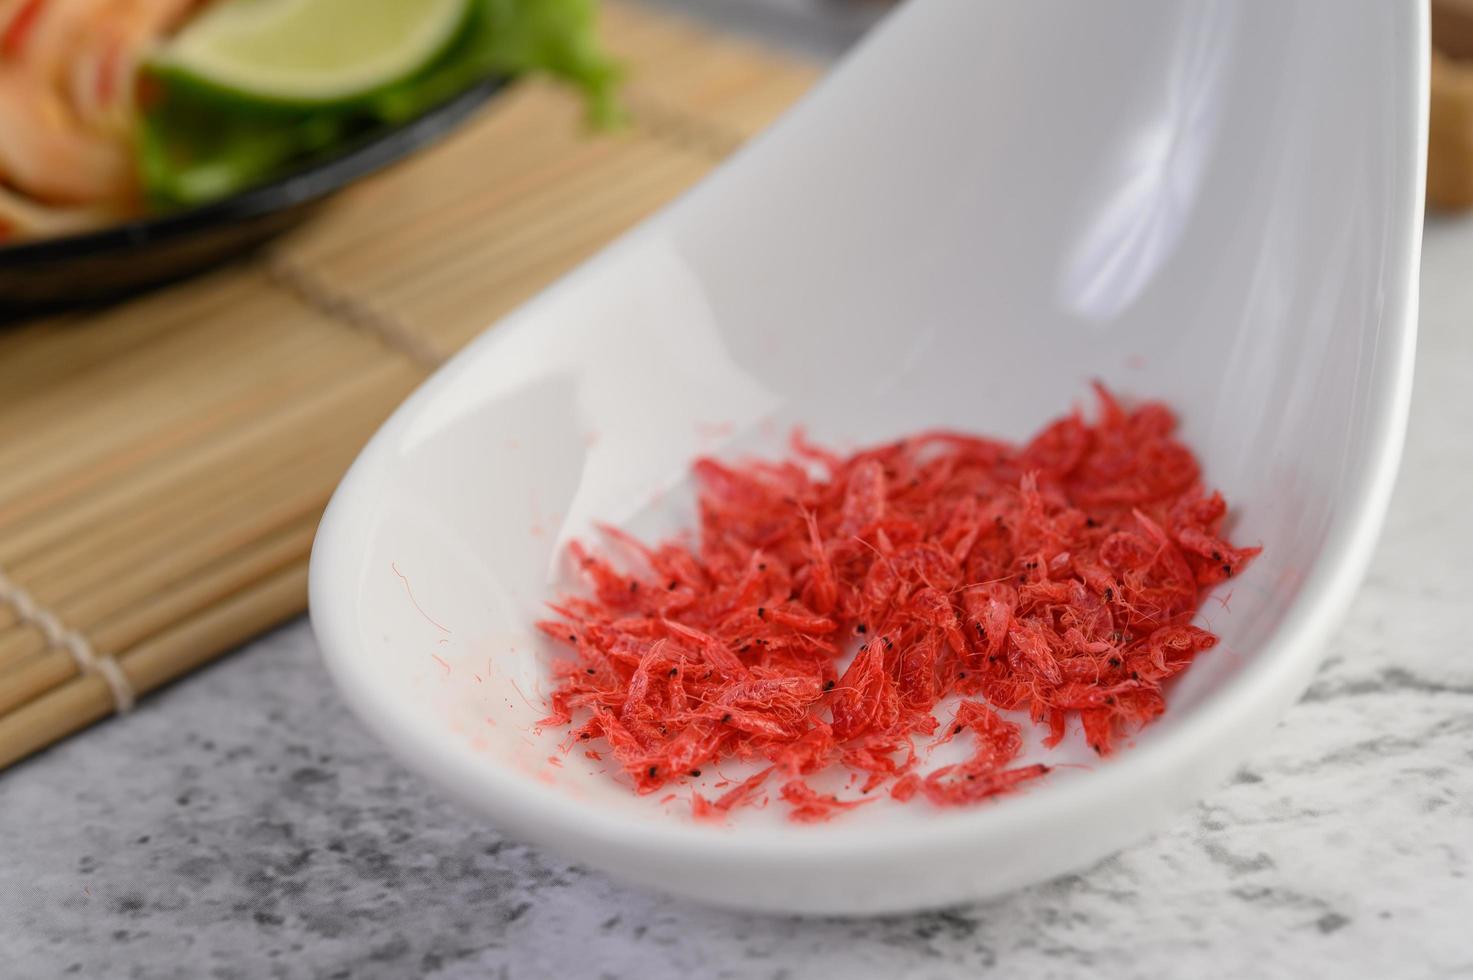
x: 164, y: 462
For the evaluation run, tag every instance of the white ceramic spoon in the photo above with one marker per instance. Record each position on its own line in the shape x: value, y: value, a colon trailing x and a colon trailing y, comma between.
x: 1217, y: 203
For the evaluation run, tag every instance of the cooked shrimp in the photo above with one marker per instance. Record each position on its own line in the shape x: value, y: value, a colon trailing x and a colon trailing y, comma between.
x: 40, y: 36
x: 100, y: 83
x: 67, y: 93
x: 47, y: 152
x: 17, y: 20
x: 23, y: 217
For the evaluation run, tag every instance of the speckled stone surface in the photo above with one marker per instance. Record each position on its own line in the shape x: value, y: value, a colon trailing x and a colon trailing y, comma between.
x: 242, y: 824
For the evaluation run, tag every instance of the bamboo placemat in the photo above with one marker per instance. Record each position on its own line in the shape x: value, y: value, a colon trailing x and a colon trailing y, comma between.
x: 163, y: 463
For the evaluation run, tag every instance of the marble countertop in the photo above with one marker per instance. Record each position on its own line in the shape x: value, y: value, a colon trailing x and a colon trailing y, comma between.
x: 242, y: 824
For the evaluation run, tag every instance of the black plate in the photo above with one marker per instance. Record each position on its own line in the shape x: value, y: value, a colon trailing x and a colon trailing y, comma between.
x: 53, y: 273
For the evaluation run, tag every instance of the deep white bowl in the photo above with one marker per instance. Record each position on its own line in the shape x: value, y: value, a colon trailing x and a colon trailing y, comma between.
x: 1218, y: 204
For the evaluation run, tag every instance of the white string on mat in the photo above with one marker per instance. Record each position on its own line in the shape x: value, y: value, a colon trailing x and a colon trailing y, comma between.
x: 311, y: 290
x: 73, y: 642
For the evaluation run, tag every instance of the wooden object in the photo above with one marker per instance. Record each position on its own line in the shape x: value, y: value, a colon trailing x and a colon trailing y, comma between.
x: 163, y: 463
x: 1450, y: 118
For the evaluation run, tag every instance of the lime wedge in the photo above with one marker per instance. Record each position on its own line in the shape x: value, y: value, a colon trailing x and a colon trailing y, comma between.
x: 309, y: 52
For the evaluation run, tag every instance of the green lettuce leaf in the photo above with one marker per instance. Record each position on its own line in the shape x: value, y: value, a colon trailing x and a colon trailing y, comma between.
x: 192, y: 148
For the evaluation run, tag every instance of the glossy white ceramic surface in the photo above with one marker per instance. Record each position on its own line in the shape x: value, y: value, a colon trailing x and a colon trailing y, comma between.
x: 990, y: 203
